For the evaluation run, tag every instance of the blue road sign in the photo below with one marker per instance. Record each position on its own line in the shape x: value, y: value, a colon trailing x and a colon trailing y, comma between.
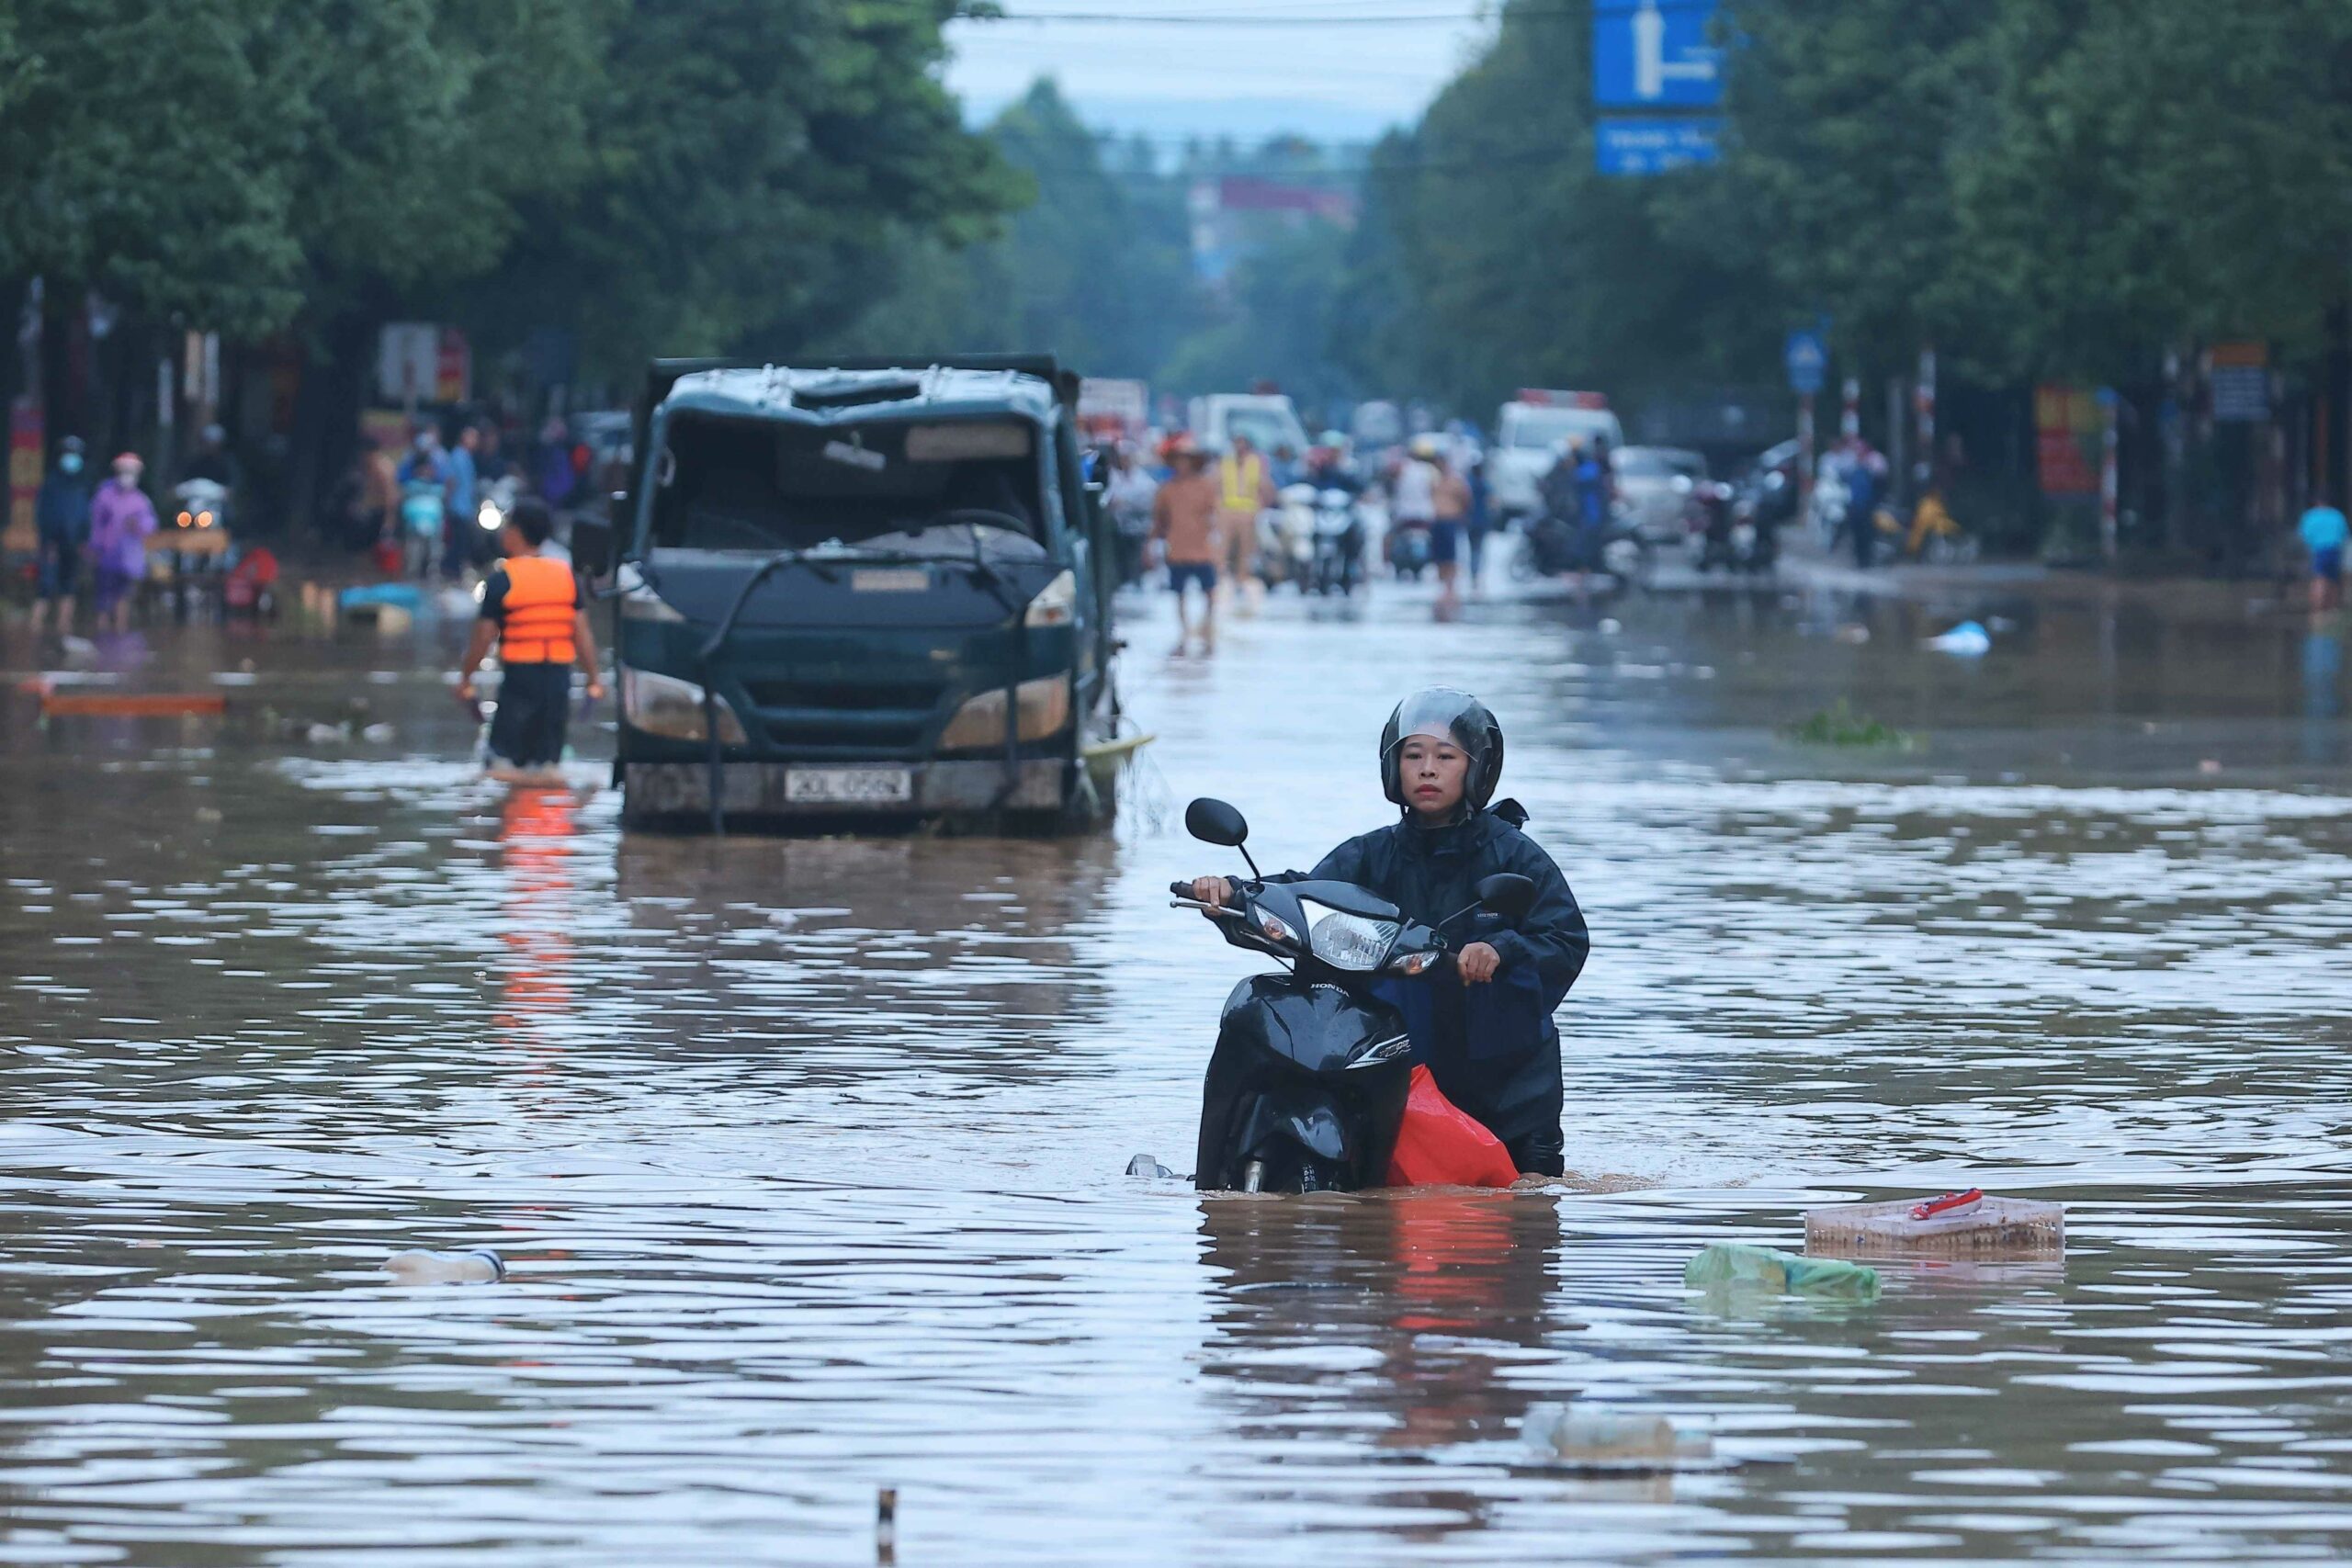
x: 1807, y: 359
x: 1654, y: 54
x: 1652, y: 146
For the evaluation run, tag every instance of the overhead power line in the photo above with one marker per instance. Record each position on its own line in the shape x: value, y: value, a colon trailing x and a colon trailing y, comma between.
x: 1261, y: 20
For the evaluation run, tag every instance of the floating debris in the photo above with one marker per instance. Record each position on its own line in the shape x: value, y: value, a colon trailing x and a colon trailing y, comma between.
x: 1602, y: 1442
x: 479, y: 1267
x: 1839, y: 725
x: 1966, y: 640
x: 1734, y: 1266
x: 2008, y: 1226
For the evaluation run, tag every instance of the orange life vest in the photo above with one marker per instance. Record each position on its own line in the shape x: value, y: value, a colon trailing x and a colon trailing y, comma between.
x: 541, y: 603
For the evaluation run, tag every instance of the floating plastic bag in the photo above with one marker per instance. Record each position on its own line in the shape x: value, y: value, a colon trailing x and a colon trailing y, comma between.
x: 1967, y: 639
x: 1441, y: 1145
x: 1730, y: 1265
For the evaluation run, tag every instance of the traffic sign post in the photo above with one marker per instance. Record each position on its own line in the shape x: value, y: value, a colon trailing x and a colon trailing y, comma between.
x: 1656, y: 55
x: 1653, y: 145
x: 1807, y: 359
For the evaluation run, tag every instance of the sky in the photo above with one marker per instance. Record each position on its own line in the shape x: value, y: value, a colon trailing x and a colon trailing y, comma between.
x: 1341, y: 70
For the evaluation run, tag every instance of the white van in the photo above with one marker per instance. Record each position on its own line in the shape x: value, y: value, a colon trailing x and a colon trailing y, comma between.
x: 1528, y: 434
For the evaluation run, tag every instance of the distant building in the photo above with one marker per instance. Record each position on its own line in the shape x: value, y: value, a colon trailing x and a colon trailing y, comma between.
x: 1232, y: 215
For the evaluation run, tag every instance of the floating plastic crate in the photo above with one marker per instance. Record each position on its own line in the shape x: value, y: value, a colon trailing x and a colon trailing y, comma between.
x: 2007, y: 1228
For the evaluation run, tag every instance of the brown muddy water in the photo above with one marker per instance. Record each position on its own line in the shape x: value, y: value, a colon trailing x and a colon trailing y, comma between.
x: 808, y: 1155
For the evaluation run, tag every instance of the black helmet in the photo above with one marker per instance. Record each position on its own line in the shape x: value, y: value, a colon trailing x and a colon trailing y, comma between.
x: 1441, y: 713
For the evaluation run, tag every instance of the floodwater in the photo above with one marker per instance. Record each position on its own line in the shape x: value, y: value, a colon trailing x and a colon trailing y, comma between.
x: 807, y: 1157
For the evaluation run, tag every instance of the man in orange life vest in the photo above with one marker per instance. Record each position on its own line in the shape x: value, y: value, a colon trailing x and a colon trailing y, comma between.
x: 531, y: 608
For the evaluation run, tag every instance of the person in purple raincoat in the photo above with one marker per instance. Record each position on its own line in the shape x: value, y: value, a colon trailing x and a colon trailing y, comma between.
x: 121, y: 518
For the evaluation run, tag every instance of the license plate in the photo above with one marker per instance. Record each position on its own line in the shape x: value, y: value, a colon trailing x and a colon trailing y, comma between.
x: 849, y: 786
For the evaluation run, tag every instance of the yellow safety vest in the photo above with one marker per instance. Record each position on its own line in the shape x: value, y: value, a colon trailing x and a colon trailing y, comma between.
x: 1244, y: 482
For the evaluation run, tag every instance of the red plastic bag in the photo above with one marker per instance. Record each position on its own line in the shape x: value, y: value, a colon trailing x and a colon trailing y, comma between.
x: 1441, y: 1145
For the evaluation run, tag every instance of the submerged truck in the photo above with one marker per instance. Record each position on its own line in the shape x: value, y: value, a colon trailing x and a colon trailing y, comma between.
x: 865, y: 591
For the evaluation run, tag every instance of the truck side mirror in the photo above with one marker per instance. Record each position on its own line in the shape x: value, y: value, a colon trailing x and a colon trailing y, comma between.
x: 592, y: 546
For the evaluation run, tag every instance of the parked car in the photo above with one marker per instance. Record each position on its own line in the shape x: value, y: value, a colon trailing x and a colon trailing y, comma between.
x: 1654, y: 486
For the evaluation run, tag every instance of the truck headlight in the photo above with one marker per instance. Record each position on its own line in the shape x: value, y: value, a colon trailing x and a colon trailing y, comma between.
x: 639, y: 602
x: 671, y: 708
x: 1055, y: 605
x: 1042, y: 712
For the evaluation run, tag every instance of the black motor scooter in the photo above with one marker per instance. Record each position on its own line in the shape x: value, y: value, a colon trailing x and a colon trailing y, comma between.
x: 1307, y: 1084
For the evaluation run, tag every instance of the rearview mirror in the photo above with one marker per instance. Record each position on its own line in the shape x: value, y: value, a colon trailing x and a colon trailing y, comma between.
x: 1507, y: 893
x: 1215, y: 822
x: 592, y: 546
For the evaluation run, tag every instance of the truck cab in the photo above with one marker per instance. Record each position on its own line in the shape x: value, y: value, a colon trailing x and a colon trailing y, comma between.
x: 869, y: 590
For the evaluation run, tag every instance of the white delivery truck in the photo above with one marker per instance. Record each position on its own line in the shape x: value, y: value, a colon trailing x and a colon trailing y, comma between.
x: 1529, y: 433
x: 1268, y: 418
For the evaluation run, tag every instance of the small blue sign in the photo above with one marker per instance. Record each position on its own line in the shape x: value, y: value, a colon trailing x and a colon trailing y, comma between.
x: 1652, y: 146
x: 1656, y: 55
x: 1807, y: 358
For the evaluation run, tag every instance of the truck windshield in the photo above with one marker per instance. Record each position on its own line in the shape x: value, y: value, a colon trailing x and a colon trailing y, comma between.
x: 764, y: 485
x: 1544, y: 427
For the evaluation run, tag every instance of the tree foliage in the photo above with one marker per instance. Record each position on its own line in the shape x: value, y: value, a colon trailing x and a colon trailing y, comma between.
x: 651, y: 172
x: 1093, y: 265
x: 2036, y: 187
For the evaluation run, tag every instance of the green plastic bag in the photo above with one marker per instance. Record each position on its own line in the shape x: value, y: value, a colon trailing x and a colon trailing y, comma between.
x: 1732, y: 1265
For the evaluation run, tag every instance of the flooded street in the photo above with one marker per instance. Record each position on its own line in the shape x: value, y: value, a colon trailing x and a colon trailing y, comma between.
x: 807, y: 1157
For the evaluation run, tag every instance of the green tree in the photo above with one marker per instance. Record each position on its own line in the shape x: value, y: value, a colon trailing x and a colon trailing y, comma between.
x: 1093, y: 265
x: 748, y: 159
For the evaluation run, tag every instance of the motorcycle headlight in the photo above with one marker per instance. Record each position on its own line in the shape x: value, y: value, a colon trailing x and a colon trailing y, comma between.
x: 1347, y: 942
x: 1055, y: 603
x: 978, y: 725
x: 667, y: 706
x: 489, y: 516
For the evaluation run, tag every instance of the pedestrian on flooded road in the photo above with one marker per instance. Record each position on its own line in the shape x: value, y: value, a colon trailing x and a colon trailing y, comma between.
x: 461, y: 490
x: 1185, y: 528
x: 1480, y: 522
x: 1450, y: 517
x: 2324, y: 529
x: 1244, y: 489
x: 62, y: 519
x: 1128, y: 496
x: 1483, y: 1027
x: 121, y: 520
x: 532, y: 609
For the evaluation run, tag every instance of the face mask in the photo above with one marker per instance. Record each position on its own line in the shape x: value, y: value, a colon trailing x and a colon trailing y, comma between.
x: 127, y: 479
x: 71, y: 463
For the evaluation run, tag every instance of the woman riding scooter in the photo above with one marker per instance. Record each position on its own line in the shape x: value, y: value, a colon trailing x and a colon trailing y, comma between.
x: 1484, y: 1029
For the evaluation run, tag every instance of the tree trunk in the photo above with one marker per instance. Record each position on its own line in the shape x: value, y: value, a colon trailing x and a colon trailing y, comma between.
x: 326, y: 416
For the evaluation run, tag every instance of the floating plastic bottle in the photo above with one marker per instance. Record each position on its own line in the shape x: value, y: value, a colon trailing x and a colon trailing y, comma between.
x: 1588, y: 1437
x: 479, y: 1267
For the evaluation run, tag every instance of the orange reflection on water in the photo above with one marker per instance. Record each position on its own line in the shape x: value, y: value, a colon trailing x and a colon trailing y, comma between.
x: 536, y: 827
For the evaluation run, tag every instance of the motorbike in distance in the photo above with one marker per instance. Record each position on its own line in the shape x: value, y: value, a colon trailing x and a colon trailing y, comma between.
x: 1338, y: 543
x: 1306, y: 1086
x: 1286, y: 538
